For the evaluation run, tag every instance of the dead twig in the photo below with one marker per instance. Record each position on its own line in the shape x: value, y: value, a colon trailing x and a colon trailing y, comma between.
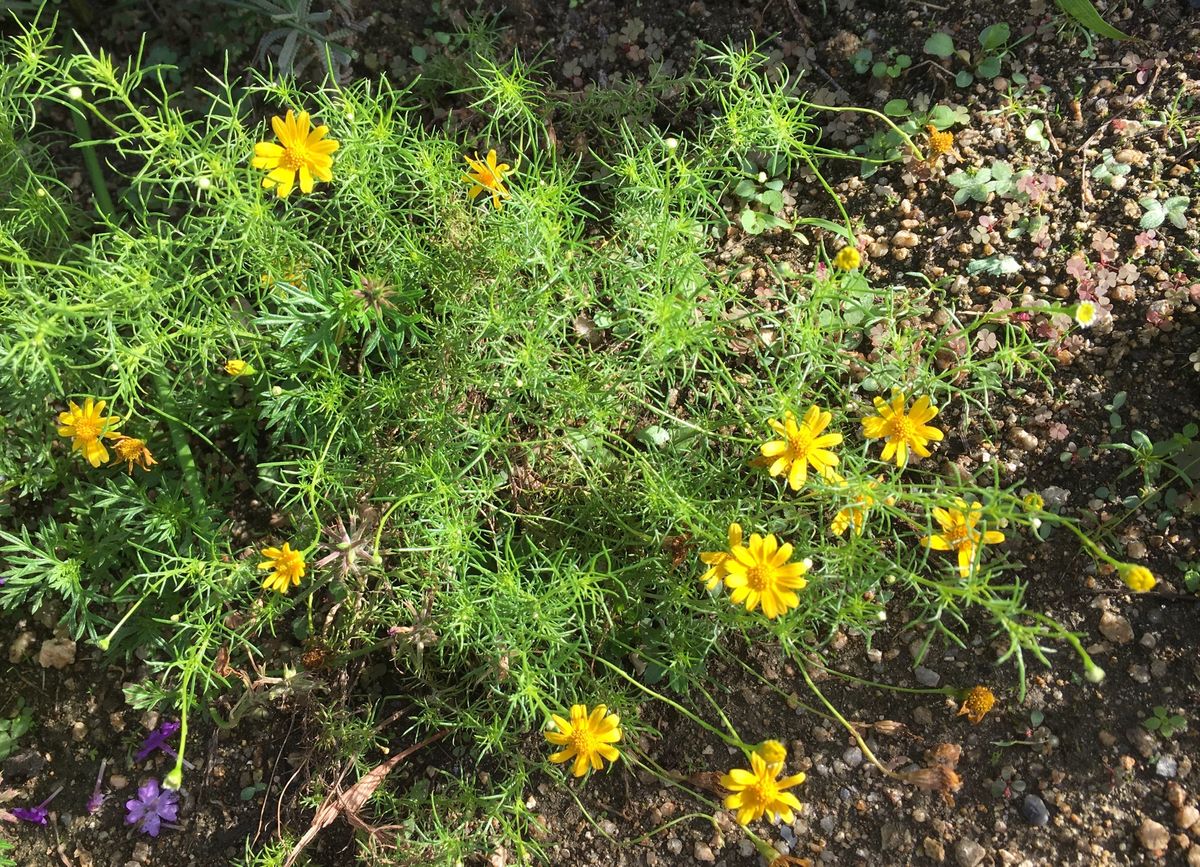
x: 351, y: 801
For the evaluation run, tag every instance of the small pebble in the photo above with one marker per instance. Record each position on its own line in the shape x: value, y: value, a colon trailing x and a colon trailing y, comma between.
x: 1153, y: 836
x: 1166, y: 767
x: 904, y: 238
x: 703, y: 852
x: 1033, y: 810
x: 926, y: 676
x: 968, y: 853
x: 675, y: 845
x: 1116, y: 628
x: 853, y: 757
x: 1187, y: 817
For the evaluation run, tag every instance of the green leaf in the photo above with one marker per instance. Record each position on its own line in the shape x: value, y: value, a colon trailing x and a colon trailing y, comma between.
x: 989, y: 67
x: 749, y: 221
x: 896, y: 108
x: 1084, y: 12
x: 939, y: 45
x: 964, y: 78
x: 903, y: 61
x: 994, y: 36
x: 828, y: 226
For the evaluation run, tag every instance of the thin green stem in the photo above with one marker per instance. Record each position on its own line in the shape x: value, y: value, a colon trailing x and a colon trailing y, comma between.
x: 91, y: 162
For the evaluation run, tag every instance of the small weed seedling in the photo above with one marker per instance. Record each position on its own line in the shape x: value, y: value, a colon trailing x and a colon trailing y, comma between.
x: 1165, y: 724
x: 13, y: 728
x: 984, y: 63
x: 1172, y: 209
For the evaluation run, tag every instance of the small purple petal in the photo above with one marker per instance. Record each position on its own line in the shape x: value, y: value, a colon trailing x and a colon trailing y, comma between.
x: 37, y: 815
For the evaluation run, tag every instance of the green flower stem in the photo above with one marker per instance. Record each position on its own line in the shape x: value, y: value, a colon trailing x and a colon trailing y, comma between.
x: 883, y: 117
x: 862, y: 744
x: 183, y: 451
x: 91, y: 162
x: 104, y: 642
x: 732, y: 740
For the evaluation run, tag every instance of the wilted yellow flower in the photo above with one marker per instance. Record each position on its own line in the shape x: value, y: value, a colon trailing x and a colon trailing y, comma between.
x: 237, y: 367
x: 801, y: 446
x: 761, y: 573
x: 1033, y: 502
x: 940, y: 142
x: 587, y: 738
x: 488, y: 177
x: 848, y: 258
x: 977, y: 703
x: 87, y: 428
x: 959, y: 533
x: 302, y: 151
x: 902, y: 432
x: 773, y: 753
x: 853, y: 515
x: 1136, y: 578
x: 716, y: 560
x: 758, y: 791
x: 131, y: 450
x: 1085, y: 314
x: 287, y: 568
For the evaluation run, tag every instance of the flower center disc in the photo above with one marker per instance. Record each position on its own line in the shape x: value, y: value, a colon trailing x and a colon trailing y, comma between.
x: 292, y: 159
x: 757, y: 577
x: 902, y: 427
x: 87, y: 429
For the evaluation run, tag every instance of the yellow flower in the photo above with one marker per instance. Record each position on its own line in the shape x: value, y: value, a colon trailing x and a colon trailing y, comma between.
x: 1033, y: 502
x: 801, y: 446
x: 940, y: 143
x: 287, y: 568
x: 773, y: 753
x: 1136, y: 578
x: 716, y: 560
x: 587, y: 738
x: 761, y: 573
x: 855, y: 514
x: 131, y: 450
x: 758, y: 791
x: 977, y: 703
x: 959, y: 533
x: 86, y: 428
x: 902, y: 432
x: 847, y: 258
x: 301, y: 150
x: 488, y: 177
x: 237, y: 367
x: 1085, y: 314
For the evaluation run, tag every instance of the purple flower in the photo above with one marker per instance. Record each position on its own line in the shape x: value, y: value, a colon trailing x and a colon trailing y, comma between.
x: 96, y: 801
x: 37, y: 814
x: 157, y: 740
x: 151, y: 807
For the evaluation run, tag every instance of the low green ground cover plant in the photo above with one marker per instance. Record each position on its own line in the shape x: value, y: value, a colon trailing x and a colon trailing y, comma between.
x: 311, y: 379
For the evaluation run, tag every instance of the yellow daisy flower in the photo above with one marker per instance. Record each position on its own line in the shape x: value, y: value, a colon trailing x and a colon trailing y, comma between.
x: 302, y: 151
x: 716, y: 560
x: 978, y: 702
x: 847, y: 259
x: 758, y: 791
x: 959, y: 533
x: 488, y: 178
x: 1136, y: 578
x: 87, y: 429
x: 236, y: 367
x: 588, y: 738
x: 761, y: 574
x: 802, y: 446
x: 903, y: 432
x: 131, y: 450
x: 286, y: 565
